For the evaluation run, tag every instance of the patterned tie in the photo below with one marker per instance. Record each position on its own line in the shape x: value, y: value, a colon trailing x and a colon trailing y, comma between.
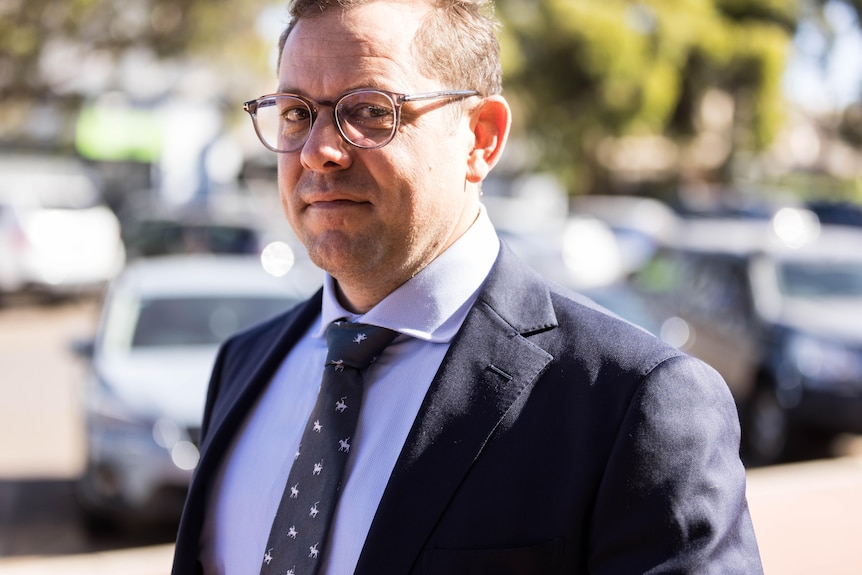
x: 297, y: 541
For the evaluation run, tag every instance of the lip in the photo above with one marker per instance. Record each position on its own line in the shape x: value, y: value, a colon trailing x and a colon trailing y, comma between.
x: 334, y: 197
x: 336, y: 203
x: 332, y: 205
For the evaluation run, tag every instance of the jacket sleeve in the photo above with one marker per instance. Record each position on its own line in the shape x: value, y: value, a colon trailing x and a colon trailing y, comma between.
x: 672, y: 499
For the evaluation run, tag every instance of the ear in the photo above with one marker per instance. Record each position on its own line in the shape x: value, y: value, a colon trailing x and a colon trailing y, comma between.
x: 490, y: 122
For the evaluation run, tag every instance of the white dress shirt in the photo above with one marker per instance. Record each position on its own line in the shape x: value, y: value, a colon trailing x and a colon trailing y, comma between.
x: 428, y: 310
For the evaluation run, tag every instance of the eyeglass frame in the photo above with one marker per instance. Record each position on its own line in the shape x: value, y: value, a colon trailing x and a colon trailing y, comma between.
x: 398, y: 100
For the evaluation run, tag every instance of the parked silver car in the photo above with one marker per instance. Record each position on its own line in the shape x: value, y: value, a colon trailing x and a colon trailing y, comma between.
x: 55, y: 234
x: 161, y: 324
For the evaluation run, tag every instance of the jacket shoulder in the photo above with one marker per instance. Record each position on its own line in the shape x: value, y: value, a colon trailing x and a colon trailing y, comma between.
x: 591, y: 331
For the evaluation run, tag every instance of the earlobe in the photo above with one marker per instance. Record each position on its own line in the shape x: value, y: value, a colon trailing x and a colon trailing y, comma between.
x: 490, y: 124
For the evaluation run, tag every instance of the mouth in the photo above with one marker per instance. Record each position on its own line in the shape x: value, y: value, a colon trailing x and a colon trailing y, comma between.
x: 332, y: 198
x: 330, y: 194
x: 336, y: 204
x: 329, y: 206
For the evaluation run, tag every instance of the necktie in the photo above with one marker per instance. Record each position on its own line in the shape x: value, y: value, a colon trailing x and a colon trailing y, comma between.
x: 297, y: 540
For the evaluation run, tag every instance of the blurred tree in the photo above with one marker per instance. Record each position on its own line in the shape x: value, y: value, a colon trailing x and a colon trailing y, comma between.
x: 31, y: 31
x: 608, y: 93
x: 55, y: 54
x: 653, y: 90
x: 851, y: 124
x: 615, y: 94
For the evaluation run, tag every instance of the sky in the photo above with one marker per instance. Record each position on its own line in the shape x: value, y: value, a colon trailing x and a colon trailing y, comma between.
x: 823, y: 79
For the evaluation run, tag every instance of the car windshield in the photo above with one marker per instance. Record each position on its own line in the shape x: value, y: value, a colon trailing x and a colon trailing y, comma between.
x: 198, y: 321
x: 813, y: 279
x: 183, y: 321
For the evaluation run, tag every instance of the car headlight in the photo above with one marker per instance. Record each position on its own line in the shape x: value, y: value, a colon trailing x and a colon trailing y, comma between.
x: 822, y: 361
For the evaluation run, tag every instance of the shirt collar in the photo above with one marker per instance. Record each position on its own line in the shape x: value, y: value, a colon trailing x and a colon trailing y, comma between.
x: 431, y: 305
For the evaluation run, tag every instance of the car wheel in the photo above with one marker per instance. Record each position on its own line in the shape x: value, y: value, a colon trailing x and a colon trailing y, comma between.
x: 98, y: 524
x: 765, y: 428
x: 806, y: 444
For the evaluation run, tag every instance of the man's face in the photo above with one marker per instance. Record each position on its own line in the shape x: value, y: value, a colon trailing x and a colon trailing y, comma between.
x: 373, y: 218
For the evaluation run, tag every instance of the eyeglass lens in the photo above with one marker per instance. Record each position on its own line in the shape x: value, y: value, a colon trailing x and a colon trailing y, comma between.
x: 365, y: 119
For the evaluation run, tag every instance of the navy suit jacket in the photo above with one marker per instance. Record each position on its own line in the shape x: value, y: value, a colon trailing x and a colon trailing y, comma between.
x: 555, y: 438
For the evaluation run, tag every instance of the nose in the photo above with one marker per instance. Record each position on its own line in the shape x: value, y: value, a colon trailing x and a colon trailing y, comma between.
x: 325, y: 149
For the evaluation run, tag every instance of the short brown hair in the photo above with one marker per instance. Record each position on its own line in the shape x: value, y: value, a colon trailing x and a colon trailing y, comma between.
x: 457, y: 44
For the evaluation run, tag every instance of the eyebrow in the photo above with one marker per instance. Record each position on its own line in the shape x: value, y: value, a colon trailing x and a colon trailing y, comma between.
x: 286, y: 90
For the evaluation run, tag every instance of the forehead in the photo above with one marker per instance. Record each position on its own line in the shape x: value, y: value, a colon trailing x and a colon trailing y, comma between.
x: 364, y: 46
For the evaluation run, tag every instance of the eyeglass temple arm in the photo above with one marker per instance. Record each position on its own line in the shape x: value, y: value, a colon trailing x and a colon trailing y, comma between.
x: 440, y: 94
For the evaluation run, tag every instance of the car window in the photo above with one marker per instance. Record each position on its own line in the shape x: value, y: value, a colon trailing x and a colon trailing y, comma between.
x: 704, y: 286
x: 161, y: 237
x: 230, y: 240
x: 721, y: 289
x: 185, y: 321
x: 813, y: 279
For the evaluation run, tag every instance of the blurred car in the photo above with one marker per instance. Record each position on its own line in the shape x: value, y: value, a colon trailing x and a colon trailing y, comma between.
x: 587, y: 258
x: 159, y: 236
x: 630, y: 304
x: 227, y: 223
x: 837, y: 212
x: 774, y: 306
x: 580, y: 252
x: 161, y: 323
x: 55, y: 234
x: 638, y: 223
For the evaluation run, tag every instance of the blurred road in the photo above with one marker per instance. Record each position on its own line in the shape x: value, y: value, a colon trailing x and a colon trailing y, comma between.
x: 808, y: 516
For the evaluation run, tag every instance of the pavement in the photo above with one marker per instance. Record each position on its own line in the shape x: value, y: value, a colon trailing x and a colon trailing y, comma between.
x: 154, y: 560
x: 807, y: 516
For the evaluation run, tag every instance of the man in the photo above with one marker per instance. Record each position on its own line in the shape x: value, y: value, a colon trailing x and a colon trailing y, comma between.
x: 511, y: 427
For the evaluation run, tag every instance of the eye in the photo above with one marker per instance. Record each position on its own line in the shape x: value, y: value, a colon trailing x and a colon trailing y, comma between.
x: 367, y: 111
x: 294, y: 119
x: 295, y: 114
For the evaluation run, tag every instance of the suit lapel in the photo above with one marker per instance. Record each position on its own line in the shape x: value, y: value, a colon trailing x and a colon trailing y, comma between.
x: 262, y: 356
x: 489, y: 366
x: 230, y: 398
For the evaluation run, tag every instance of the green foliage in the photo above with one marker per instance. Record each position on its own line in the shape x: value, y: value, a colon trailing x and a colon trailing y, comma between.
x: 586, y: 70
x: 214, y: 30
x: 782, y: 12
x: 579, y: 73
x: 57, y: 54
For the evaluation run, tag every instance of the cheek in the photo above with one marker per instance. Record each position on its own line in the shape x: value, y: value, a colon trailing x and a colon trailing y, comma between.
x: 287, y: 179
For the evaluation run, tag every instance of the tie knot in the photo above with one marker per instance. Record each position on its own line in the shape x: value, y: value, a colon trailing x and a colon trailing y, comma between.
x: 355, y: 344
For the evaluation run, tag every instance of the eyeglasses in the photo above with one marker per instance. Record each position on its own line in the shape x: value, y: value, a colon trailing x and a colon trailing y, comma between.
x: 366, y: 119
